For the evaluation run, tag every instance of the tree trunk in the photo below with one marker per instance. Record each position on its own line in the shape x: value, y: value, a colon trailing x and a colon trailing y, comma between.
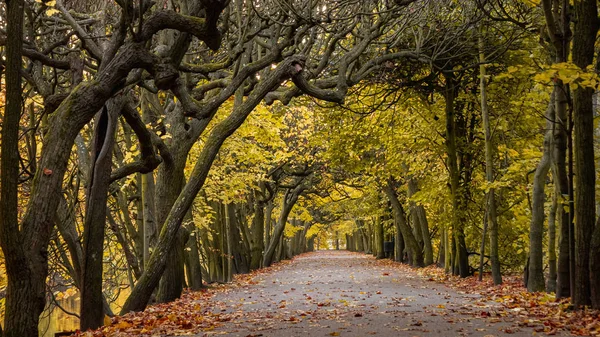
x: 595, y: 267
x: 551, y: 282
x: 358, y: 241
x: 289, y: 200
x: 460, y: 256
x: 398, y: 244
x: 557, y: 26
x: 268, y: 223
x: 172, y: 281
x: 482, y: 247
x: 257, y: 243
x: 26, y: 268
x: 407, y: 234
x: 228, y: 244
x: 422, y: 221
x: 149, y: 211
x: 584, y: 38
x: 535, y: 279
x: 489, y: 170
x: 239, y: 248
x: 91, y: 312
x: 378, y: 238
x: 192, y: 257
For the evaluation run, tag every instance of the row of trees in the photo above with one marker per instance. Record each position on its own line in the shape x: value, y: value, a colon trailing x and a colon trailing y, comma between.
x: 480, y: 112
x: 484, y: 145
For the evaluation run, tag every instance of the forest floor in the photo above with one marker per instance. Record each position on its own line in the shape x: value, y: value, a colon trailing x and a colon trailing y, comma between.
x: 338, y: 293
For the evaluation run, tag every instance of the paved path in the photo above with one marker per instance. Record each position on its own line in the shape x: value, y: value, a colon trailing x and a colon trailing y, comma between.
x: 337, y: 293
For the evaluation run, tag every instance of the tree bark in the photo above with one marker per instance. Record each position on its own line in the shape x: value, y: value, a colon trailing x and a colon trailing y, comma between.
x: 379, y: 240
x: 489, y: 170
x: 557, y: 26
x: 584, y: 38
x: 551, y: 282
x: 26, y: 267
x: 289, y: 200
x: 459, y: 247
x: 258, y: 233
x: 422, y: 221
x: 192, y: 257
x: 172, y: 281
x: 91, y: 313
x: 535, y: 279
x: 268, y: 223
x: 407, y: 234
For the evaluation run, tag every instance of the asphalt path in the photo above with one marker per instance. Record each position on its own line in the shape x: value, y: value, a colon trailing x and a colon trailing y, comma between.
x: 338, y: 293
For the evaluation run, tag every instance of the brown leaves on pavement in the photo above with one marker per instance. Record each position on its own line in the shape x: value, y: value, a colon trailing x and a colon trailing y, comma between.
x: 527, y: 309
x: 194, y: 312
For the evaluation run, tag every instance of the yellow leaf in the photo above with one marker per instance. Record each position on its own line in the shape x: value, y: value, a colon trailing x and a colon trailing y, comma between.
x: 123, y: 325
x: 107, y: 321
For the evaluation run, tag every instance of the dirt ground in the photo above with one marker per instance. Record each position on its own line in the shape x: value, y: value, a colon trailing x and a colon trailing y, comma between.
x: 338, y: 293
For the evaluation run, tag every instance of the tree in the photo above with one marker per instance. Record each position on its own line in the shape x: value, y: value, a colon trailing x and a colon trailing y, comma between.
x: 24, y: 300
x: 584, y: 38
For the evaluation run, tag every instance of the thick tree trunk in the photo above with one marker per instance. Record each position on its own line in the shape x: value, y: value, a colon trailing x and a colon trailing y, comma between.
x: 26, y: 267
x: 584, y: 38
x: 441, y: 262
x: 311, y: 244
x: 169, y: 184
x: 460, y: 256
x: 68, y: 119
x: 173, y: 279
x: 535, y: 269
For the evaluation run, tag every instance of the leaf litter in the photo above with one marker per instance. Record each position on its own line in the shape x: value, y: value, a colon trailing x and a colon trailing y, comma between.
x: 264, y: 300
